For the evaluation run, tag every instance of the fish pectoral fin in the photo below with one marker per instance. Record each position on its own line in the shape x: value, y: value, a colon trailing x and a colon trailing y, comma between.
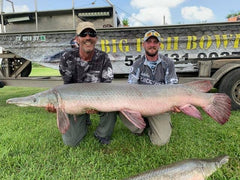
x: 134, y: 117
x: 62, y: 121
x: 191, y: 111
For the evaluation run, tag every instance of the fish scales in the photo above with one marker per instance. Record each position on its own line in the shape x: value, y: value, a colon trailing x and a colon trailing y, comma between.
x: 132, y: 100
x: 192, y: 169
x: 134, y: 97
x: 114, y: 97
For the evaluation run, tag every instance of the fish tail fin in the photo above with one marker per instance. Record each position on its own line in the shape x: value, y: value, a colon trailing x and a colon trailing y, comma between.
x: 202, y: 86
x: 220, y: 108
x: 221, y: 160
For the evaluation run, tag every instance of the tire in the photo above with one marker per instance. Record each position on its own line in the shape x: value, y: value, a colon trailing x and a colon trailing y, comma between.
x: 2, y: 84
x: 15, y: 64
x: 27, y: 70
x: 230, y: 85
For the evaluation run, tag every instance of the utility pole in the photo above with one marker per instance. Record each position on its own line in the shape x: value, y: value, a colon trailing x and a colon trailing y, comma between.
x: 114, y: 13
x: 1, y: 9
x: 36, y: 15
x: 12, y: 5
x: 73, y: 13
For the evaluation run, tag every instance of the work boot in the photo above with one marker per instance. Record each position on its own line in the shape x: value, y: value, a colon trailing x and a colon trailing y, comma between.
x: 104, y: 141
x: 88, y: 122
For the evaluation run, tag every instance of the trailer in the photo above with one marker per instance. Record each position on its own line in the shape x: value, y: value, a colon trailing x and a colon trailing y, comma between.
x: 200, y: 51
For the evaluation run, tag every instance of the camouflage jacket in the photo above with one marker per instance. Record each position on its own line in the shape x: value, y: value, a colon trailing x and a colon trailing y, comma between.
x: 75, y: 70
x: 161, y: 71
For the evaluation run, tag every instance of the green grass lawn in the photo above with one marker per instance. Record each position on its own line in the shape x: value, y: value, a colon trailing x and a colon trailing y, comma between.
x: 38, y: 70
x: 31, y: 146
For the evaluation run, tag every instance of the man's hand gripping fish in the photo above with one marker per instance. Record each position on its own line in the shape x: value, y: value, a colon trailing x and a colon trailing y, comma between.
x: 133, y: 101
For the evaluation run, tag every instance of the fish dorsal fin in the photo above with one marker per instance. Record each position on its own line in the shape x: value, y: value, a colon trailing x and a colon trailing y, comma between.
x: 203, y: 86
x: 191, y: 111
x: 62, y: 121
x: 134, y: 117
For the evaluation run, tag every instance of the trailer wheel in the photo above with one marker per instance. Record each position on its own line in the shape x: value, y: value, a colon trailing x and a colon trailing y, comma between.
x: 2, y: 84
x: 230, y: 85
x: 26, y: 72
x: 14, y: 64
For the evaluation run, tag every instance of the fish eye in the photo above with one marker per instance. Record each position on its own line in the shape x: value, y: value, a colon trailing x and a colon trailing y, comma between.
x: 34, y: 100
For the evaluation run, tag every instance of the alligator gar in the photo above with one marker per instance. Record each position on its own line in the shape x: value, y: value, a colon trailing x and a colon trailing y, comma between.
x: 193, y: 169
x: 132, y: 100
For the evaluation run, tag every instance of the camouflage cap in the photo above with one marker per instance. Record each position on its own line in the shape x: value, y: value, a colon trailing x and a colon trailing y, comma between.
x: 152, y: 33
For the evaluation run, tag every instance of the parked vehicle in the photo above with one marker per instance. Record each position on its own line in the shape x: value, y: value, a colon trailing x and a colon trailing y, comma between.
x: 200, y: 51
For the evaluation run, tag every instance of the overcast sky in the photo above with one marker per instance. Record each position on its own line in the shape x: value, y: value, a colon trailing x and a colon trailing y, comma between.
x: 144, y: 12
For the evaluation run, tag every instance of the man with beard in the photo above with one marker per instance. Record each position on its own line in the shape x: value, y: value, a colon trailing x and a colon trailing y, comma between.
x: 153, y: 68
x: 86, y: 64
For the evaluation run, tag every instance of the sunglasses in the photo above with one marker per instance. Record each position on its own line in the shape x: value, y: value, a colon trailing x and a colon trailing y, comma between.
x: 90, y: 33
x: 156, y: 34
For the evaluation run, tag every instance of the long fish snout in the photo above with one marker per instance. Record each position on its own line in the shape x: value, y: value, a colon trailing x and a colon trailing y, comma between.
x: 22, y: 101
